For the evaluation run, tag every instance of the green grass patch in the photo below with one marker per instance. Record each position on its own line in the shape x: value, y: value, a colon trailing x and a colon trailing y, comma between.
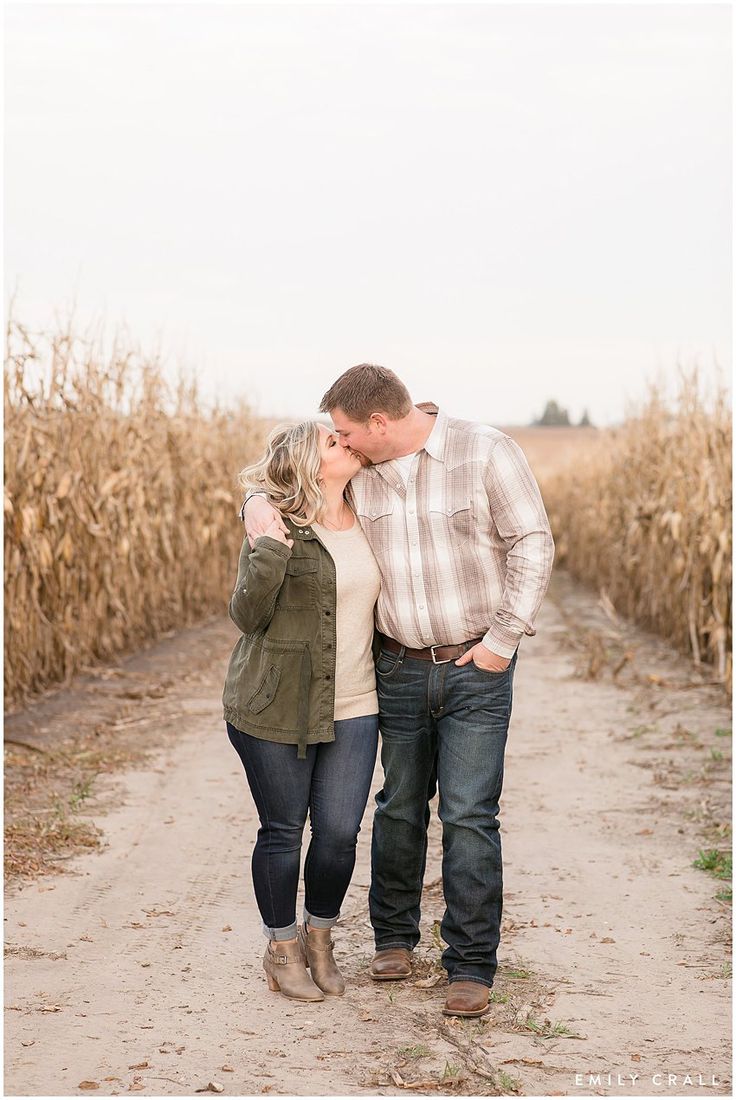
x: 417, y: 1051
x: 547, y: 1030
x: 451, y: 1072
x: 507, y: 1083
x: 717, y: 863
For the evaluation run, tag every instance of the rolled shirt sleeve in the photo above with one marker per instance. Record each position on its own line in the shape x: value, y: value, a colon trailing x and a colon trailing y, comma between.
x: 519, y: 515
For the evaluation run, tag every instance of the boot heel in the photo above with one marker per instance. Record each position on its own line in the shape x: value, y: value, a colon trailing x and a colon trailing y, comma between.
x: 273, y: 985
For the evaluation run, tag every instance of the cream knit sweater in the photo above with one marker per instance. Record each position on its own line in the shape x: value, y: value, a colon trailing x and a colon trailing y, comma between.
x: 358, y: 585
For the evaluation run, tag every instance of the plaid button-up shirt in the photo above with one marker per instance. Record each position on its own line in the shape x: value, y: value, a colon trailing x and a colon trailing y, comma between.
x: 464, y: 548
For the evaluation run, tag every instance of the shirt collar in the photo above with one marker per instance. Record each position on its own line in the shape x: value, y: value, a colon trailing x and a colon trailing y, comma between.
x: 437, y: 440
x: 434, y: 446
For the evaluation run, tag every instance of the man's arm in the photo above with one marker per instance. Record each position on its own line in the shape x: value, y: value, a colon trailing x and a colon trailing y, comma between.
x: 518, y: 512
x: 258, y: 515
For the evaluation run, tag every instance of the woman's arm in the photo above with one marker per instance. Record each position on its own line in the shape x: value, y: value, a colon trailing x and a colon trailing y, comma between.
x: 261, y: 572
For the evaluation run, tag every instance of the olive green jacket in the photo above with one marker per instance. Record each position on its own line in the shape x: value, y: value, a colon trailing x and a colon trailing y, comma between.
x: 280, y: 682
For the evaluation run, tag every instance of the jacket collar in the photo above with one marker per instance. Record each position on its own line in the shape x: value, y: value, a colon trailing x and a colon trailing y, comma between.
x: 300, y: 534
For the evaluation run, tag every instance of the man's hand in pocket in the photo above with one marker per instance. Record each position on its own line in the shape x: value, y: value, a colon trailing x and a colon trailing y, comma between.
x: 482, y: 657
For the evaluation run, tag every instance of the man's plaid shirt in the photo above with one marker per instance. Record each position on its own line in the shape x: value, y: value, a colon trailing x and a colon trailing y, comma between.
x: 465, y: 548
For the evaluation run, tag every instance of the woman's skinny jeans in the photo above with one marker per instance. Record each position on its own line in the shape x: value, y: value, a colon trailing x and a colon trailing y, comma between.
x: 332, y: 785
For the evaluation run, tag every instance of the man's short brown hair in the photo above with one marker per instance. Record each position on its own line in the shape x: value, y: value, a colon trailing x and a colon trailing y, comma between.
x: 366, y: 389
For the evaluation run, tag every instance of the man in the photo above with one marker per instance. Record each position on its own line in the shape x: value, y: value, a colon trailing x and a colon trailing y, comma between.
x: 456, y: 521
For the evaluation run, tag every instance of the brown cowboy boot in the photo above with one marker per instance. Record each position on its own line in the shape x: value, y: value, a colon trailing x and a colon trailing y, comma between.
x: 467, y: 999
x: 391, y: 965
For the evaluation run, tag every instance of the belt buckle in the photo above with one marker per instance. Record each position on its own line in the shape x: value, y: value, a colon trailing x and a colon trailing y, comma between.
x: 434, y: 659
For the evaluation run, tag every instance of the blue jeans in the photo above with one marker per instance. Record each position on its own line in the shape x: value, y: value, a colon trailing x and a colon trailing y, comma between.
x: 332, y: 784
x: 441, y: 726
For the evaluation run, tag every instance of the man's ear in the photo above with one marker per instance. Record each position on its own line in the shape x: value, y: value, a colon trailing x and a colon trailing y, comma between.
x: 379, y: 421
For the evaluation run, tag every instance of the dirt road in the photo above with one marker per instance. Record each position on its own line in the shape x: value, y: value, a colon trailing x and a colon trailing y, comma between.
x: 139, y: 968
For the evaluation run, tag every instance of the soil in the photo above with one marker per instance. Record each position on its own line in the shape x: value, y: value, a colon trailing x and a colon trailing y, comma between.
x: 136, y: 967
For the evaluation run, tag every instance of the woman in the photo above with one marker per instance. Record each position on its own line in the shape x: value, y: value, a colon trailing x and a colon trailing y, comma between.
x: 300, y: 697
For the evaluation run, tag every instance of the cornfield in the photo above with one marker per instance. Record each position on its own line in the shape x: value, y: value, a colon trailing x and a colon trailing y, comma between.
x: 120, y: 504
x: 647, y: 518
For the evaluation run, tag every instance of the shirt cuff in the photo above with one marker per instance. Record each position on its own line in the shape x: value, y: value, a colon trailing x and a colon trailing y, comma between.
x: 499, y: 639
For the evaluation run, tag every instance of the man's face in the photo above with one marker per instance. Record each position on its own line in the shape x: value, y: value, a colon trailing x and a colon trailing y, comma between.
x: 370, y: 442
x: 337, y: 462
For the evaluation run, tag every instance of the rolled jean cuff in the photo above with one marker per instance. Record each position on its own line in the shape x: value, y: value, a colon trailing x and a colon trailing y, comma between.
x: 288, y: 933
x: 320, y: 922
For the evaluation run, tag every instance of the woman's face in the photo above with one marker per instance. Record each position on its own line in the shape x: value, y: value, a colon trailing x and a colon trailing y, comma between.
x: 338, y: 463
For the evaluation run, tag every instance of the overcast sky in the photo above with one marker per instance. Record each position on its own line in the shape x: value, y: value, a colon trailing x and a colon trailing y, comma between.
x: 503, y: 203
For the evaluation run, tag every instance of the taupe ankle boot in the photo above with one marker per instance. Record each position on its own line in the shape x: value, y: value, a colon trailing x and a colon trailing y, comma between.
x: 287, y: 973
x: 317, y: 948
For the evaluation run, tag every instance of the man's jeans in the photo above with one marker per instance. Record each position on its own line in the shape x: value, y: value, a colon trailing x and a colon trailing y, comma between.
x: 441, y: 725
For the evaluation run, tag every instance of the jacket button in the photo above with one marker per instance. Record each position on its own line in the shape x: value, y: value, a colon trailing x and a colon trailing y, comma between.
x: 328, y: 677
x: 328, y: 613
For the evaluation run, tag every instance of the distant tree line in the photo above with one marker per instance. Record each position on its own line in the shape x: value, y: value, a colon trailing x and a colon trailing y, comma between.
x: 554, y: 415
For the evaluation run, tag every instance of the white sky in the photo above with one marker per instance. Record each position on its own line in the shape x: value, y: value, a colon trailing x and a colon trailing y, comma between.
x: 502, y: 203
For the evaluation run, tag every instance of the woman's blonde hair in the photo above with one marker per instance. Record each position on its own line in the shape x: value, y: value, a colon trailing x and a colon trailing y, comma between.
x: 289, y: 472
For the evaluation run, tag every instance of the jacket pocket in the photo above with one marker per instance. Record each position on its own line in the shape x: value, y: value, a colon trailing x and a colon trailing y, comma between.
x: 301, y: 584
x: 266, y: 690
x: 281, y: 672
x: 297, y: 567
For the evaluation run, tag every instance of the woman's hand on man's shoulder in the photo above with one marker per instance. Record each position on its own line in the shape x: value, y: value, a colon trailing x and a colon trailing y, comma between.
x: 277, y: 529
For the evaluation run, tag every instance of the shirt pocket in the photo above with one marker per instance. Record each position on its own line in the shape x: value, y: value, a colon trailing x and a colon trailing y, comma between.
x: 376, y: 519
x: 452, y: 515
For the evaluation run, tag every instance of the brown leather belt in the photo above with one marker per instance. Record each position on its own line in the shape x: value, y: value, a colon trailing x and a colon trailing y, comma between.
x: 439, y: 654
